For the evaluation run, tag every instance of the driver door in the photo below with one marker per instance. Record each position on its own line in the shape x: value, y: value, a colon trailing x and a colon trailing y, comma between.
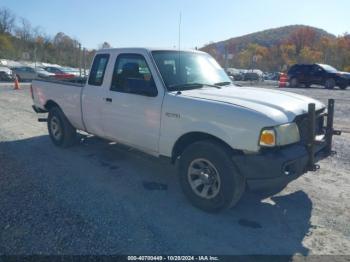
x: 131, y: 117
x: 316, y: 74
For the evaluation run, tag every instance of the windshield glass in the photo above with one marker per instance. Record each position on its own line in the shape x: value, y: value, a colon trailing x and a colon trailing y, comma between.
x: 182, y: 70
x: 329, y: 68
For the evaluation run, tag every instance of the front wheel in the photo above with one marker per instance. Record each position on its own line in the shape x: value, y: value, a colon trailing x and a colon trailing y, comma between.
x: 62, y: 133
x: 209, y: 178
x: 343, y: 87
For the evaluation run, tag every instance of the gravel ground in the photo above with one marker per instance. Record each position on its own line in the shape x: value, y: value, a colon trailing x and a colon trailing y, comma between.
x: 103, y: 198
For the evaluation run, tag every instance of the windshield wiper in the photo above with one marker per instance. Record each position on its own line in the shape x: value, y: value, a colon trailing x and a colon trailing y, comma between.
x: 223, y: 83
x: 178, y: 87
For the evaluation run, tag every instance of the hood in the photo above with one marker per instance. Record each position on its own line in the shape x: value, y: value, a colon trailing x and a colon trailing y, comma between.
x: 281, y: 106
x: 345, y: 74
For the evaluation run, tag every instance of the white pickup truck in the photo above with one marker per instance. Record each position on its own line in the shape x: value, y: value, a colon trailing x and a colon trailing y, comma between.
x: 181, y: 105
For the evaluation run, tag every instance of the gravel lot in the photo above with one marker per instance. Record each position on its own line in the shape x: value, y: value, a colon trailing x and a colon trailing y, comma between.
x: 103, y: 198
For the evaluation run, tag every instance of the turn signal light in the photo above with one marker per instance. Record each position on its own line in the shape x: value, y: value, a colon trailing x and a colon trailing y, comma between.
x: 268, y: 138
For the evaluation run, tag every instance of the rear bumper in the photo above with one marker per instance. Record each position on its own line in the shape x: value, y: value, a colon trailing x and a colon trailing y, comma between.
x: 274, y: 169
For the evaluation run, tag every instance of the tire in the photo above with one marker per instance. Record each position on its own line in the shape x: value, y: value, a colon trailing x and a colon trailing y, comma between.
x: 210, y: 160
x: 343, y: 87
x: 330, y: 83
x: 61, y: 132
x: 294, y: 82
x: 307, y: 85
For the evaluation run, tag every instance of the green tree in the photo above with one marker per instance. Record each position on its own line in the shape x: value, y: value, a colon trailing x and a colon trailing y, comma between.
x: 6, y: 48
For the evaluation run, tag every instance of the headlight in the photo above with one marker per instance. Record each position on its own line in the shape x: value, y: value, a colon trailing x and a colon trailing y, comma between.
x: 280, y: 135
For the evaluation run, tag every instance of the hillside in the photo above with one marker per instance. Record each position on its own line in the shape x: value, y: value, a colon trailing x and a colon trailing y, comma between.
x: 266, y: 38
x: 279, y: 48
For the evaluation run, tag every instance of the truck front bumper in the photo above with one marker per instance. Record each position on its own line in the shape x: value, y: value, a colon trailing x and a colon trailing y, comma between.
x: 275, y: 168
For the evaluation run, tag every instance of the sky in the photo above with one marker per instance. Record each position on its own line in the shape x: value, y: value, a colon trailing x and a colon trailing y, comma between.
x: 155, y: 23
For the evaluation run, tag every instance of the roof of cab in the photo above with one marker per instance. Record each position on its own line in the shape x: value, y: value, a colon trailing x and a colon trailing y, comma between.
x: 142, y: 49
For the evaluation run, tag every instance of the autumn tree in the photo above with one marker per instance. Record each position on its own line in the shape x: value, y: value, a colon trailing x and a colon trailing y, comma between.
x: 343, y: 51
x: 288, y: 54
x: 301, y: 38
x: 24, y: 31
x: 6, y: 48
x: 7, y: 20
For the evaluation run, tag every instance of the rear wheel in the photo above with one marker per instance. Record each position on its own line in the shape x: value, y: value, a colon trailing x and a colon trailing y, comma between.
x: 62, y: 133
x: 209, y: 178
x: 330, y: 83
x: 294, y: 82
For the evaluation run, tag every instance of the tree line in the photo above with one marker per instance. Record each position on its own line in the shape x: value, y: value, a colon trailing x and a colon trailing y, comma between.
x: 303, y: 45
x: 19, y: 40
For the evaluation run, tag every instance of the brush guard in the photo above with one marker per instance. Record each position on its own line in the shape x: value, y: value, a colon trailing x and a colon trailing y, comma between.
x: 326, y: 139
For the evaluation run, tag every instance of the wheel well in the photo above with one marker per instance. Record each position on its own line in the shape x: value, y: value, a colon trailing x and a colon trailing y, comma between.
x: 50, y: 104
x: 184, y: 141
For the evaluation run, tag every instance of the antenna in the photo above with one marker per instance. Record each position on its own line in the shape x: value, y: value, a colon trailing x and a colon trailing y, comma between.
x: 179, y: 52
x: 180, y: 16
x: 178, y: 70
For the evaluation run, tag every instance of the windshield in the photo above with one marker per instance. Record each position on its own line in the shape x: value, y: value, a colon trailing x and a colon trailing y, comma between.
x: 182, y: 70
x: 328, y: 68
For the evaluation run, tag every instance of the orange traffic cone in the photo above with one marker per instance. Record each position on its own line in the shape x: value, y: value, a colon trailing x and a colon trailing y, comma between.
x: 283, y: 80
x: 17, y: 87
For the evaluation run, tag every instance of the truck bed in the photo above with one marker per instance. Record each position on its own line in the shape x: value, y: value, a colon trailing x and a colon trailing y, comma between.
x: 64, y: 93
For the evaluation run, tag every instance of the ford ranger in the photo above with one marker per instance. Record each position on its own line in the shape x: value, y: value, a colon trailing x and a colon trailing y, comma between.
x: 181, y: 105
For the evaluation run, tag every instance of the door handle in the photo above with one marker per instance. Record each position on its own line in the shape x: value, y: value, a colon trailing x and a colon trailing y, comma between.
x: 108, y: 99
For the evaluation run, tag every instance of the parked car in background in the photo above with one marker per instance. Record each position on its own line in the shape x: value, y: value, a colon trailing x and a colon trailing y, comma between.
x: 235, y: 74
x: 72, y: 71
x: 60, y: 72
x: 24, y: 73
x: 6, y: 74
x: 42, y: 73
x: 317, y: 74
x: 251, y: 76
x: 272, y: 76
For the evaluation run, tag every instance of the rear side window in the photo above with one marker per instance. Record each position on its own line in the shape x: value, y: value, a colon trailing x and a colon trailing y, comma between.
x: 98, y: 69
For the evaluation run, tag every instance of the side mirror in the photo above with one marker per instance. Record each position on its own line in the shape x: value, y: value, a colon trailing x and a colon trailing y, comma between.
x: 141, y: 87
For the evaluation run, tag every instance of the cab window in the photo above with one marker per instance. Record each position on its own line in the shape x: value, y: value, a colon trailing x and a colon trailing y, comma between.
x: 132, y: 75
x: 98, y: 69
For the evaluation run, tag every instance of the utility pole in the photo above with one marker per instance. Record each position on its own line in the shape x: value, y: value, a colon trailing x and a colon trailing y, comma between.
x: 79, y: 59
x: 35, y: 56
x: 84, y: 61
